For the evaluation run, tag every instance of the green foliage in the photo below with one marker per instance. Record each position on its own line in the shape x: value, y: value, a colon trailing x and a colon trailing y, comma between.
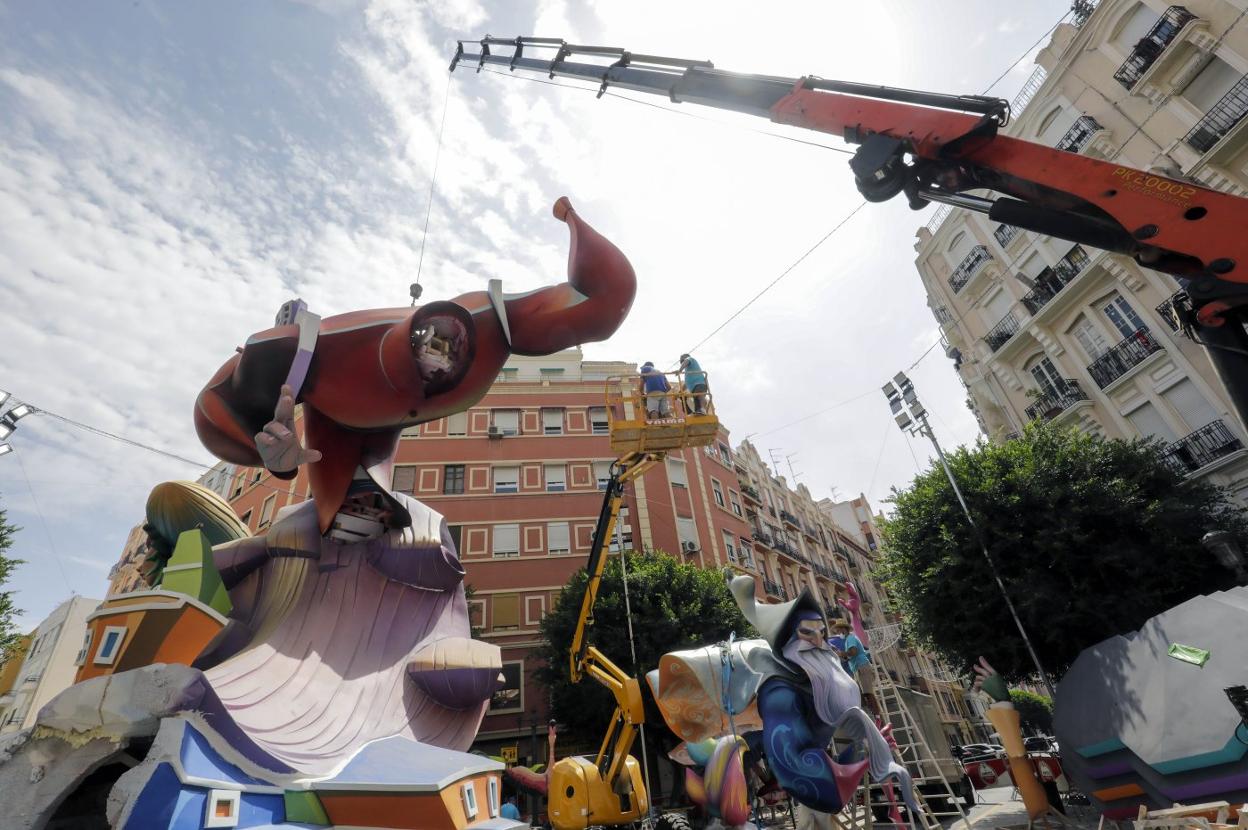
x: 9, y: 635
x: 1036, y: 711
x: 1091, y: 538
x: 675, y: 606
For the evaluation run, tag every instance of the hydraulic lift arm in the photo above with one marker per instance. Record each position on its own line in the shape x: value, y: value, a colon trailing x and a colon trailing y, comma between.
x: 585, y: 658
x: 935, y: 147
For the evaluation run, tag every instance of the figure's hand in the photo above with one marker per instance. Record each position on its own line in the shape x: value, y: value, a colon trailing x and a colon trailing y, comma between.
x: 278, y: 444
x: 989, y: 682
x: 851, y: 603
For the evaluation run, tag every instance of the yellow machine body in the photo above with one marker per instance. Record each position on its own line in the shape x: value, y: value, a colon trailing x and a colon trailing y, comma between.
x: 579, y: 798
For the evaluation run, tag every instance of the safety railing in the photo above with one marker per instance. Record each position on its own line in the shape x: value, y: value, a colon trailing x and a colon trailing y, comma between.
x: 1123, y: 357
x: 1220, y: 119
x: 1051, y: 281
x: 968, y: 267
x: 1202, y: 447
x: 1165, y: 310
x: 1150, y: 47
x: 773, y: 589
x: 1004, y: 234
x: 751, y: 493
x: 1056, y: 401
x: 1079, y: 134
x: 1001, y: 333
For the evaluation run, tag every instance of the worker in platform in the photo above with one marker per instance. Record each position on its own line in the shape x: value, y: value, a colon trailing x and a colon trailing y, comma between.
x: 858, y: 664
x: 695, y: 383
x: 657, y: 389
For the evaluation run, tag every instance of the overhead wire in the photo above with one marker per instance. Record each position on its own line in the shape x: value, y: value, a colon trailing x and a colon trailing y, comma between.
x: 433, y: 183
x: 56, y: 554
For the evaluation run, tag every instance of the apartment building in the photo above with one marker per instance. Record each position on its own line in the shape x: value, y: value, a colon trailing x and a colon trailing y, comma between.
x: 126, y: 574
x: 1043, y: 329
x: 48, y: 667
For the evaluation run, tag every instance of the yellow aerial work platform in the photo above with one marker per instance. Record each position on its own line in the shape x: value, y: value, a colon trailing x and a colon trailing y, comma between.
x: 658, y: 421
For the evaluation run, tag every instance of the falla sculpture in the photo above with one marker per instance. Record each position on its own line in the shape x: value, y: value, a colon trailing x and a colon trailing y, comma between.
x: 344, y: 687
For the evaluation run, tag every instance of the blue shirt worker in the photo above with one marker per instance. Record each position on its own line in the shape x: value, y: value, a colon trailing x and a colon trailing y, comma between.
x: 695, y: 382
x: 858, y: 664
x: 510, y: 810
x: 657, y: 389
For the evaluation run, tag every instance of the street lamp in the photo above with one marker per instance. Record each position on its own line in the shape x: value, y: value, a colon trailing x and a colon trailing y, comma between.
x: 911, y: 417
x: 8, y: 421
x: 5, y: 449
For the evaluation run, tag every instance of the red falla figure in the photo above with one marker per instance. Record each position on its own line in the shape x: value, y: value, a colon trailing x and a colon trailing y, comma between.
x: 349, y: 620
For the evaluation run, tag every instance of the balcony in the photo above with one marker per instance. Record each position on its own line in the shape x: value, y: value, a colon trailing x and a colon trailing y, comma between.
x: 1004, y: 234
x: 1220, y: 119
x: 1052, y: 280
x: 968, y: 267
x: 789, y: 518
x: 773, y: 589
x: 1123, y: 357
x: 1150, y: 47
x: 1166, y: 309
x: 942, y: 315
x: 1002, y: 332
x: 1079, y: 134
x: 1204, y: 446
x: 762, y: 538
x: 1051, y: 404
x: 750, y: 493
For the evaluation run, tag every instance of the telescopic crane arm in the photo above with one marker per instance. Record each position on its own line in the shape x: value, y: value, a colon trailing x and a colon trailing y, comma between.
x: 935, y: 147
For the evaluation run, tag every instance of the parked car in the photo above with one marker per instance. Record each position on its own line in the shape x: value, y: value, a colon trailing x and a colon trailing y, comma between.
x: 1038, y: 743
x: 978, y: 752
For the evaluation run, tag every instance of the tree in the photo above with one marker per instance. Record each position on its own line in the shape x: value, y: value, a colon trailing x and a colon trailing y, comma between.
x: 9, y: 635
x: 1036, y: 711
x: 675, y: 606
x: 1091, y: 538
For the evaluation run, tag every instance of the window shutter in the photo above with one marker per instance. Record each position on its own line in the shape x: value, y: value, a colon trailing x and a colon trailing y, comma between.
x: 552, y: 421
x: 1190, y: 404
x: 506, y: 611
x: 404, y: 479
x: 556, y: 478
x: 558, y: 538
x: 506, y: 540
x: 457, y: 424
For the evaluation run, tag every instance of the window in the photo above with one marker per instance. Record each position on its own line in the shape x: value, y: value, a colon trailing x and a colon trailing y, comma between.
x: 552, y: 422
x: 1150, y: 424
x: 508, y: 375
x: 551, y: 373
x: 266, y: 510
x: 725, y: 454
x: 1090, y: 337
x: 457, y: 424
x: 598, y: 420
x: 469, y: 793
x: 676, y: 473
x: 1047, y: 377
x: 558, y: 539
x: 506, y: 611
x: 506, y: 479
x: 456, y: 532
x: 110, y: 644
x: 687, y: 531
x: 1214, y: 81
x: 506, y: 421
x: 86, y: 647
x: 1123, y: 316
x: 556, y: 478
x: 453, y: 478
x: 744, y: 551
x: 246, y: 518
x: 404, y: 479
x: 718, y: 491
x: 1190, y: 404
x: 492, y: 800
x: 623, y: 530
x: 602, y: 473
x: 221, y: 809
x: 506, y: 541
x: 735, y: 500
x: 510, y: 697
x: 730, y: 546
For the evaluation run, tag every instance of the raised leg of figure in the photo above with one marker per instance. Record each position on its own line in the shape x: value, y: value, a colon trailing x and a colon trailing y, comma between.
x: 857, y: 725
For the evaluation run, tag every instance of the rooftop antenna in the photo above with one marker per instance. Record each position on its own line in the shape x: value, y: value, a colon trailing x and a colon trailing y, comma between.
x: 775, y: 463
x: 836, y: 493
x: 789, y: 460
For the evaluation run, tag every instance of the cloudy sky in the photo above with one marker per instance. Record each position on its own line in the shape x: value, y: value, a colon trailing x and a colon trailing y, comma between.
x: 170, y: 173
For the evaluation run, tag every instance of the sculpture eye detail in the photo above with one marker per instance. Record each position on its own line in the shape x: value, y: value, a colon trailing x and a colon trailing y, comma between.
x: 443, y: 342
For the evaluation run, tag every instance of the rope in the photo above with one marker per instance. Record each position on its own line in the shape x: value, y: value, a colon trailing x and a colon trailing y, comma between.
x: 433, y: 183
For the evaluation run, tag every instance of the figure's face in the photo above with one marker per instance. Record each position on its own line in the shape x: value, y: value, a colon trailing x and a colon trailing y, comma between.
x: 813, y: 632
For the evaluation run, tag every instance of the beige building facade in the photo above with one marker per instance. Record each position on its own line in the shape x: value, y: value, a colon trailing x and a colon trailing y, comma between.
x: 1041, y: 328
x: 57, y: 649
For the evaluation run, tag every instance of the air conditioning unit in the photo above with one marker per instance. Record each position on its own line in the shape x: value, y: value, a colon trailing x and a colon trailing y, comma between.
x: 689, y: 547
x: 494, y: 432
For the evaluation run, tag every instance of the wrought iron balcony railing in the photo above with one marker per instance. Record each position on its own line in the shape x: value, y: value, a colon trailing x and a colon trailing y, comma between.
x: 751, y: 494
x: 942, y: 315
x: 1055, y: 402
x: 1123, y: 357
x: 1079, y: 134
x: 968, y: 267
x: 790, y: 518
x: 1002, y: 332
x: 1165, y: 310
x: 773, y: 589
x: 1052, y: 280
x: 1204, y: 446
x: 1150, y: 47
x: 1004, y: 234
x: 1220, y: 118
